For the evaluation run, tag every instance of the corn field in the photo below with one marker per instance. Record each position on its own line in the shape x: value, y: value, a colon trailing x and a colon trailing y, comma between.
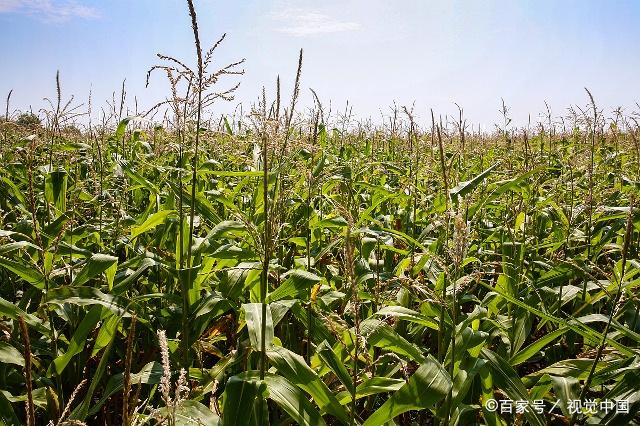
x: 280, y: 266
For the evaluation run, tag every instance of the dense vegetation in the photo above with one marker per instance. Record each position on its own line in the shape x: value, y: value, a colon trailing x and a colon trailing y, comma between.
x: 280, y: 267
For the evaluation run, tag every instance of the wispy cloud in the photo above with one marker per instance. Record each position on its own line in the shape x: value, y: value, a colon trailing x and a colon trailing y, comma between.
x: 301, y: 23
x: 49, y: 10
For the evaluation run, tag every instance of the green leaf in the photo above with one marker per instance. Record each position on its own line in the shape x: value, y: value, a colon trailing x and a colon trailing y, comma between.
x: 227, y: 228
x: 10, y: 355
x: 223, y: 173
x: 29, y: 273
x: 190, y: 413
x: 108, y: 328
x: 463, y: 188
x: 81, y: 411
x: 320, y: 330
x: 79, y: 339
x: 566, y: 389
x: 137, y: 177
x: 289, y: 397
x: 110, y: 274
x: 293, y: 367
x: 380, y: 334
x: 334, y: 222
x: 298, y: 281
x: 124, y: 280
x: 12, y: 311
x: 536, y: 346
x: 465, y: 377
x: 408, y: 315
x: 56, y: 189
x: 227, y: 126
x: 429, y: 385
x: 150, y: 374
x: 625, y: 390
x: 239, y: 397
x: 7, y: 248
x: 83, y: 296
x: 373, y: 386
x: 574, y: 325
x: 233, y: 281
x: 8, y: 417
x: 94, y: 266
x: 329, y: 357
x: 190, y: 285
x: 213, y: 305
x: 507, y: 379
x: 122, y: 127
x: 151, y: 222
x: 253, y: 317
x: 577, y: 368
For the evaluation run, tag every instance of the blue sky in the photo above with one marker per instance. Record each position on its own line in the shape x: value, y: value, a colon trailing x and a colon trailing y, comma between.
x: 371, y: 53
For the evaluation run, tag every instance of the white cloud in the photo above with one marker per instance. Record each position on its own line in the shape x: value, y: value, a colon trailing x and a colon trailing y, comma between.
x: 9, y: 5
x: 49, y: 10
x: 301, y: 23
